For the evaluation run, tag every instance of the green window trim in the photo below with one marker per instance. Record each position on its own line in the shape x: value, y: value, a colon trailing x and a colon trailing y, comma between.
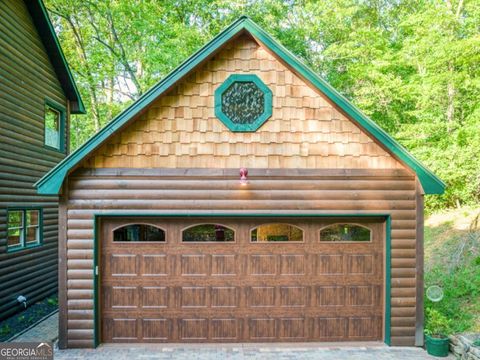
x: 267, y: 106
x: 50, y: 104
x: 24, y: 227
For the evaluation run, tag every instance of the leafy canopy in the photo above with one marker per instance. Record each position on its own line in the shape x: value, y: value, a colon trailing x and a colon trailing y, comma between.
x: 413, y: 66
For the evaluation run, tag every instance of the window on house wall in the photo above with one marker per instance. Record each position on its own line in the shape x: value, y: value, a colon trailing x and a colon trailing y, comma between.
x: 345, y: 232
x: 208, y: 232
x: 276, y: 232
x: 23, y: 228
x: 138, y: 233
x: 54, y: 127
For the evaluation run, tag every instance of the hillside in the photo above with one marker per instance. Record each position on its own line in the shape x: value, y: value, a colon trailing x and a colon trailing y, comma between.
x: 452, y: 261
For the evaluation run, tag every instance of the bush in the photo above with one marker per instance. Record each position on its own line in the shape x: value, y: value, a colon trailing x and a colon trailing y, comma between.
x: 437, y: 323
x: 460, y: 303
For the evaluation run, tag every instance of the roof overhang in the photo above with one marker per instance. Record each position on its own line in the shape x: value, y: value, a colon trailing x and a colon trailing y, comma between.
x: 42, y: 22
x: 51, y: 183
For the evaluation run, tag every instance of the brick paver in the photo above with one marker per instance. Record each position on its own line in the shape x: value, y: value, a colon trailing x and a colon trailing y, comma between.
x: 45, y: 331
x: 244, y: 351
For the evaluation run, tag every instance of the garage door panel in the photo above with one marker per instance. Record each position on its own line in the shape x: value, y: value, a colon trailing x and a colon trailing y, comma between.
x: 155, y: 297
x: 225, y: 265
x: 240, y: 291
x: 156, y: 329
x: 225, y: 329
x: 362, y: 328
x: 330, y: 328
x: 292, y: 329
x: 122, y: 265
x: 294, y: 296
x: 262, y: 329
x: 194, y: 265
x: 224, y: 296
x: 293, y: 264
x: 123, y: 297
x: 329, y: 264
x: 262, y: 264
x: 122, y: 329
x: 330, y: 295
x: 193, y: 329
x: 157, y: 265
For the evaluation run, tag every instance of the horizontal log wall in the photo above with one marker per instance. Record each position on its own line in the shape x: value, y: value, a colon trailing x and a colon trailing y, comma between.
x: 156, y: 191
x: 180, y: 130
x: 27, y: 78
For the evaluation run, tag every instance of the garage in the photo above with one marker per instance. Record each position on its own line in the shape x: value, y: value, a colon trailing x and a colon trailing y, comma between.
x: 241, y: 280
x: 240, y: 199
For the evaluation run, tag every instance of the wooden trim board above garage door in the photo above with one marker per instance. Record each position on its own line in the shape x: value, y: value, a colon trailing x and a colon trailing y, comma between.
x: 279, y: 328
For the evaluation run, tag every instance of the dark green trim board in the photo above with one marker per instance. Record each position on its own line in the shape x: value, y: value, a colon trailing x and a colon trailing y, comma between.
x: 24, y: 210
x: 267, y: 106
x: 388, y: 279
x: 96, y: 282
x: 45, y: 29
x: 50, y: 184
x: 96, y: 258
x: 56, y: 106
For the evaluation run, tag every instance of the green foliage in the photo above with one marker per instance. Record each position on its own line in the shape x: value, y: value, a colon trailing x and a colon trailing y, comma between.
x: 5, y: 330
x: 413, y: 66
x: 461, y: 293
x: 452, y: 262
x: 437, y: 323
x: 52, y: 301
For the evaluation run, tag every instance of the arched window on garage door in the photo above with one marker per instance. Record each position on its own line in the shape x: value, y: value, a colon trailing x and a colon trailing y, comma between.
x: 138, y: 233
x: 276, y: 232
x: 208, y: 233
x: 345, y: 233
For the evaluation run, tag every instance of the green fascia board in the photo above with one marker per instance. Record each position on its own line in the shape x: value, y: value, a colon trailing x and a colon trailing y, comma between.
x: 51, y: 183
x: 45, y: 29
x: 431, y: 184
x: 267, y: 105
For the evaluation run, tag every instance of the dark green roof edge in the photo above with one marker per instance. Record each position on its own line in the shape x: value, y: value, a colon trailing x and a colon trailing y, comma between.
x: 52, y: 181
x: 45, y: 29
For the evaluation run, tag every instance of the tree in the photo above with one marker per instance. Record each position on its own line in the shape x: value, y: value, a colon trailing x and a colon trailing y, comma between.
x: 411, y: 65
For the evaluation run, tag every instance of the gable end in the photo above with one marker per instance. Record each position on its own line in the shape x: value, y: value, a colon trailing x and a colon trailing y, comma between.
x: 51, y: 183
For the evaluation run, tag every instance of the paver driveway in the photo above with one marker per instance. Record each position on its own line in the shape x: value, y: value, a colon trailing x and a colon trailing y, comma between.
x: 245, y: 351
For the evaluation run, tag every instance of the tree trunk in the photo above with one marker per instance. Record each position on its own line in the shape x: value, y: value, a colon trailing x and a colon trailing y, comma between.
x: 450, y: 99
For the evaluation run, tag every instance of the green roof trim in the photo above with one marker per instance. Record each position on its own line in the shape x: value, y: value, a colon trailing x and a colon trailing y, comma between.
x: 267, y: 105
x: 51, y: 183
x: 45, y: 29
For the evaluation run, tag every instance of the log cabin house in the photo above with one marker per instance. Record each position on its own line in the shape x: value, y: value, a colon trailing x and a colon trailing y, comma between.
x: 241, y: 199
x: 37, y: 96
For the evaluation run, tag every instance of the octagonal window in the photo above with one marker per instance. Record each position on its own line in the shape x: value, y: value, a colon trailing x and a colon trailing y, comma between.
x: 243, y: 103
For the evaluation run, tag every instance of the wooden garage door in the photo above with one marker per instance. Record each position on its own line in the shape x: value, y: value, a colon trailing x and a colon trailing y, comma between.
x: 171, y: 290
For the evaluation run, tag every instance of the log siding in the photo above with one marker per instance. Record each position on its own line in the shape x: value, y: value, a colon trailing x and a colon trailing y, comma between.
x: 27, y: 80
x: 369, y: 192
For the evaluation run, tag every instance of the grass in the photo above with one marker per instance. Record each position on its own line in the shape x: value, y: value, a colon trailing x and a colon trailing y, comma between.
x: 452, y: 261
